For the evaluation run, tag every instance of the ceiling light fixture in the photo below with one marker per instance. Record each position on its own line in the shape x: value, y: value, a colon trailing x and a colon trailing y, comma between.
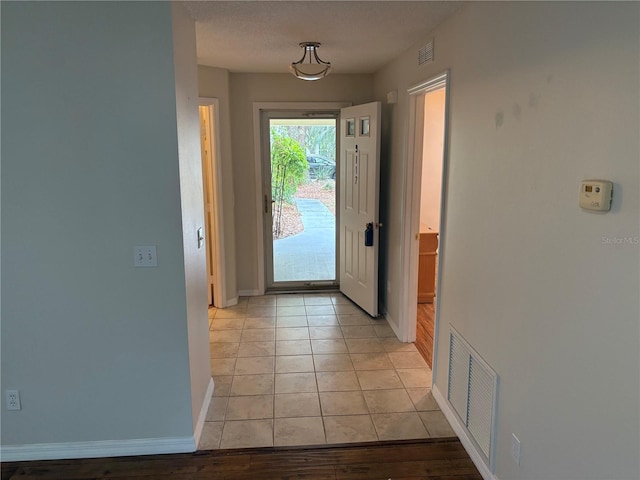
x: 310, y: 67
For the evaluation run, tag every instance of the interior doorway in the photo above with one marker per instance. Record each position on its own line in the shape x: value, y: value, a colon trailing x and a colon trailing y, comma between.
x: 300, y: 171
x: 430, y: 207
x: 425, y: 226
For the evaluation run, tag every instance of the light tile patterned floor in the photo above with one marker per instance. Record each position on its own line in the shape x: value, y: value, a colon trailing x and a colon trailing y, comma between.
x: 305, y: 369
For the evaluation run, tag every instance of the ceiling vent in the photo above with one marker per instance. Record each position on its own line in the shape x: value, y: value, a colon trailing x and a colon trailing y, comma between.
x: 425, y: 54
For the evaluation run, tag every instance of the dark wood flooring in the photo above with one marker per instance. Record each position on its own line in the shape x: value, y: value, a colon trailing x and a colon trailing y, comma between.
x: 434, y: 459
x: 424, y: 331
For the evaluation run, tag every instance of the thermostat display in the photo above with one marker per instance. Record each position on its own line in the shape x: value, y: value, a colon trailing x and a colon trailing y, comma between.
x: 596, y: 195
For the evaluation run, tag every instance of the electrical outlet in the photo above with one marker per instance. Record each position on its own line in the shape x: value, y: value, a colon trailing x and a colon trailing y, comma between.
x: 515, y: 448
x: 12, y: 399
x: 145, y: 256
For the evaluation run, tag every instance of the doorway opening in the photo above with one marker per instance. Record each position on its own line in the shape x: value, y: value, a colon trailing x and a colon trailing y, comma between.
x: 430, y: 203
x: 300, y: 172
x: 425, y: 214
x: 357, y: 192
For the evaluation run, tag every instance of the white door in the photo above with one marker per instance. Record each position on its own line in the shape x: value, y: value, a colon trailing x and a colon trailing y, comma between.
x: 359, y: 188
x: 206, y: 143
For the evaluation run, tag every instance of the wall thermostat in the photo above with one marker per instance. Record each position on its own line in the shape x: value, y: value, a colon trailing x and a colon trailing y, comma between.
x: 596, y: 195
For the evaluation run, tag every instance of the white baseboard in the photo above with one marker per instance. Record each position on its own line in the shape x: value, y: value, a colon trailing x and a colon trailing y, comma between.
x: 110, y: 448
x: 203, y: 413
x: 461, y: 432
x: 97, y: 449
x: 249, y: 293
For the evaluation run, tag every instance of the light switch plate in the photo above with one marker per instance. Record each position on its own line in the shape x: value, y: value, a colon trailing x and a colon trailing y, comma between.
x: 145, y: 256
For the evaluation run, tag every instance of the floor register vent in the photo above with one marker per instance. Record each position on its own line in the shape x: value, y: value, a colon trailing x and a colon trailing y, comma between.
x: 472, y: 392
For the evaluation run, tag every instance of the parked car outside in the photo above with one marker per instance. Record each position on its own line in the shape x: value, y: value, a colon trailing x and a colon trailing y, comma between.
x: 321, y: 167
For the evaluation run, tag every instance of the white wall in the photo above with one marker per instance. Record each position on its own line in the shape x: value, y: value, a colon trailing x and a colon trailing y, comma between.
x: 192, y: 205
x: 245, y: 90
x: 214, y: 83
x: 97, y: 348
x: 542, y: 96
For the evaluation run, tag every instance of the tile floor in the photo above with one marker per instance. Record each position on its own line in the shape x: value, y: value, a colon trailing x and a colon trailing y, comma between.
x: 307, y: 369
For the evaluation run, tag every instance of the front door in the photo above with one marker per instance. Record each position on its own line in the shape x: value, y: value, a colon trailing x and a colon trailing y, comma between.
x: 359, y: 188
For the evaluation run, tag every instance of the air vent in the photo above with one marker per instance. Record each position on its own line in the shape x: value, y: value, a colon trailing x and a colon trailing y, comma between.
x: 472, y: 392
x: 425, y: 54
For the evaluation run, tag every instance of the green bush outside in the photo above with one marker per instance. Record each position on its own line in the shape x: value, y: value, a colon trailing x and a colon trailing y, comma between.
x: 289, y: 167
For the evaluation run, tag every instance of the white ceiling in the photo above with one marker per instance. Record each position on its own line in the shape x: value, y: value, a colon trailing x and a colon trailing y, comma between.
x: 356, y: 36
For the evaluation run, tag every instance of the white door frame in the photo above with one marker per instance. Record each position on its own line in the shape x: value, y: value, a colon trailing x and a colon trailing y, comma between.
x: 258, y: 147
x: 411, y: 220
x: 217, y: 228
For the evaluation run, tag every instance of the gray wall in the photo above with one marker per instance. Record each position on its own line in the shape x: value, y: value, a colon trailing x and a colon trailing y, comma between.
x: 527, y: 277
x: 97, y: 348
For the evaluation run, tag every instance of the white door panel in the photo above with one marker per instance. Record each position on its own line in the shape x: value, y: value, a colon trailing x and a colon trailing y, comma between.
x: 359, y: 188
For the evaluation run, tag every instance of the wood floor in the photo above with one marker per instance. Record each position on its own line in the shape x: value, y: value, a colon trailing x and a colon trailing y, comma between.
x: 424, y: 332
x: 441, y: 459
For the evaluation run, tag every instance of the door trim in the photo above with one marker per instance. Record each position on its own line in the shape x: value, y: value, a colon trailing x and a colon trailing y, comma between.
x: 411, y: 220
x: 258, y: 147
x: 217, y: 227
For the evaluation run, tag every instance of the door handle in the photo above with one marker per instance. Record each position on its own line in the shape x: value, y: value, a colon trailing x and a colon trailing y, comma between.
x: 266, y: 203
x: 368, y: 235
x: 200, y: 235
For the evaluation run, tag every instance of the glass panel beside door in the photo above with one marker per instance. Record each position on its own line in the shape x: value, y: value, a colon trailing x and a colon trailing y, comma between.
x: 301, y: 245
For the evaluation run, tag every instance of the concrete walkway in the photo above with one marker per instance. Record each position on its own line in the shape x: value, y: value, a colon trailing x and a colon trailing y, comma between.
x: 311, y: 254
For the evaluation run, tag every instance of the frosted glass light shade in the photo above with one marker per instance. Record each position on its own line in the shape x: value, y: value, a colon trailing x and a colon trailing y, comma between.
x: 310, y: 66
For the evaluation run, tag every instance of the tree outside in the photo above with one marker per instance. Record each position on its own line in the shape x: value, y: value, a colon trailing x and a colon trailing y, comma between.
x: 292, y: 143
x: 314, y: 139
x: 289, y: 169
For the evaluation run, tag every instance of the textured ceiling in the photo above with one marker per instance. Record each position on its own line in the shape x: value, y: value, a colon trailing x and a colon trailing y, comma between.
x: 356, y: 36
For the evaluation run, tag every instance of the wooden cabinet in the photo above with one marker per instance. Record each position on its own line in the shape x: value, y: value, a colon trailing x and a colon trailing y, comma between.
x: 427, y: 265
